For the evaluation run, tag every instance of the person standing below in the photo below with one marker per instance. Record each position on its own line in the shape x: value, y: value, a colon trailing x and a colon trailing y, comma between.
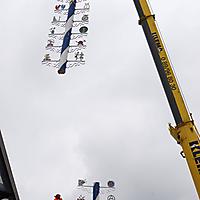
x: 58, y: 197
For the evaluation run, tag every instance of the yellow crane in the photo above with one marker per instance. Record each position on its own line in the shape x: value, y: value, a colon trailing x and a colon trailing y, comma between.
x: 184, y: 131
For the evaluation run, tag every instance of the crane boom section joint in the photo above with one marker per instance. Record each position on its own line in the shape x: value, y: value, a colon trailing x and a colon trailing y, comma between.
x: 144, y: 18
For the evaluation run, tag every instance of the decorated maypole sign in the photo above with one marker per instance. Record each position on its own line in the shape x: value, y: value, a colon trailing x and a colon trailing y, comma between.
x: 66, y: 44
x: 97, y: 190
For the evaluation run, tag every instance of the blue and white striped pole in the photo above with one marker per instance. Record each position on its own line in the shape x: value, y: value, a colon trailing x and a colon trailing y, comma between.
x: 67, y: 36
x: 96, y: 189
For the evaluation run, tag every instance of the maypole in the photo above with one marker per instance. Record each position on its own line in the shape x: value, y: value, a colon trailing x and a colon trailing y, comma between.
x: 96, y: 189
x: 66, y: 43
x: 67, y: 36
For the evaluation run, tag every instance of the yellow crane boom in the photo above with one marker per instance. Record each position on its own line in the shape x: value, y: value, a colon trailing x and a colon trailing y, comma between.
x: 185, y: 131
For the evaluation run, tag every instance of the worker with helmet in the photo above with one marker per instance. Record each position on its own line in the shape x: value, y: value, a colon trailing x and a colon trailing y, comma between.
x: 57, y: 197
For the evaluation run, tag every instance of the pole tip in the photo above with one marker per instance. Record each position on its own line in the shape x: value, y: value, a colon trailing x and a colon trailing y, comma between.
x: 62, y: 70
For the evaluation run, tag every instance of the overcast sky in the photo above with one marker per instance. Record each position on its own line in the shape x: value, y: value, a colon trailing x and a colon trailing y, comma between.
x: 106, y: 120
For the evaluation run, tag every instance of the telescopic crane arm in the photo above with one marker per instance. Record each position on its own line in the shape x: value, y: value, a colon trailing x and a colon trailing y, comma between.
x: 184, y: 132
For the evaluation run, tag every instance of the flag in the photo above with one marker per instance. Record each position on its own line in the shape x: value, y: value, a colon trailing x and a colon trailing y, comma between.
x: 67, y: 36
